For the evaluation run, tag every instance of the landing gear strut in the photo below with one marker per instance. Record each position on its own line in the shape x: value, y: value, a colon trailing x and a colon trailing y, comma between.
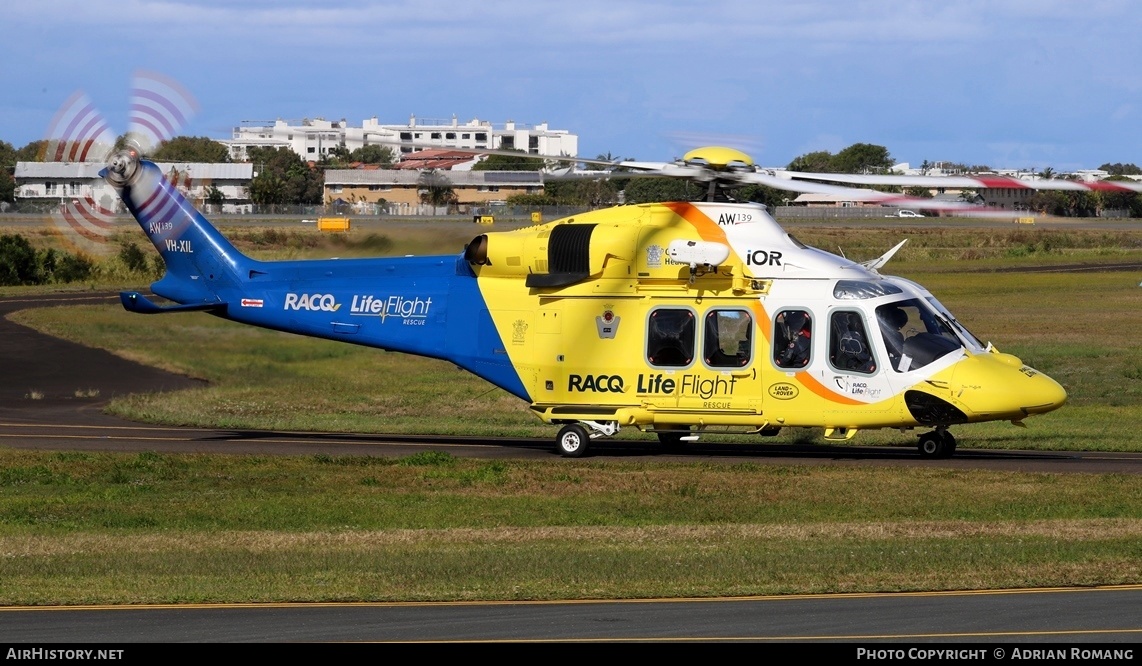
x: 937, y: 444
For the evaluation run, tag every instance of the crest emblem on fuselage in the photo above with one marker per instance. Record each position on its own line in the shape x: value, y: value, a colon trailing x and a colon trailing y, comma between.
x: 519, y: 331
x: 654, y: 256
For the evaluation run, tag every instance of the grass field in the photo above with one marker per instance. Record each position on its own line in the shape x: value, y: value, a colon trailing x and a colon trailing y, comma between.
x: 152, y: 527
x: 82, y: 528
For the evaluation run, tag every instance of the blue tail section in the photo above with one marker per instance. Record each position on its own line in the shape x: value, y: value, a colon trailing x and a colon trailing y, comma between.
x: 201, y: 263
x: 429, y: 306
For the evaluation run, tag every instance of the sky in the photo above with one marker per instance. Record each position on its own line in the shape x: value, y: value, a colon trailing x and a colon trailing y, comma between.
x: 1003, y: 83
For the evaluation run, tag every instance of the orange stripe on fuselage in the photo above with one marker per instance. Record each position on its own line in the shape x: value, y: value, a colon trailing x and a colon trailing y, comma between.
x: 763, y: 322
x: 707, y: 229
x: 807, y: 380
x: 817, y: 387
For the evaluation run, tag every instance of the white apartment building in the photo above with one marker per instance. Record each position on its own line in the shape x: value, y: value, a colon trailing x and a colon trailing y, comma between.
x: 314, y: 138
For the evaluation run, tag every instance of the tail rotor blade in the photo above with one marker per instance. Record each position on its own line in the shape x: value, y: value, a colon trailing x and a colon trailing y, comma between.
x: 78, y: 133
x: 160, y: 107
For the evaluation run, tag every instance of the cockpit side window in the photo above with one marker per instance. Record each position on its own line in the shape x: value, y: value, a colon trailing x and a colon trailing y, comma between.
x: 792, y: 338
x: 849, y: 349
x: 914, y: 334
x: 670, y: 336
x: 728, y: 339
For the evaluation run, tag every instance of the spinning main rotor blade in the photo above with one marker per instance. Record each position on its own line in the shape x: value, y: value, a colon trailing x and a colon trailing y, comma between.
x: 865, y: 195
x: 742, y: 172
x: 493, y: 151
x: 968, y: 182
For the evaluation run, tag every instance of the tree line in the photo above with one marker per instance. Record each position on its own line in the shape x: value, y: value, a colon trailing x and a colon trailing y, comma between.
x: 281, y: 176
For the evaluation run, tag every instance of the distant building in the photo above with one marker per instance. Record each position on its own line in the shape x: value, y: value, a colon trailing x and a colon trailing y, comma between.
x: 314, y: 138
x: 402, y: 188
x: 453, y: 160
x: 813, y: 200
x: 63, y: 182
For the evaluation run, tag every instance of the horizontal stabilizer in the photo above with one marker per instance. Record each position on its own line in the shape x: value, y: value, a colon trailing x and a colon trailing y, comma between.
x: 133, y: 301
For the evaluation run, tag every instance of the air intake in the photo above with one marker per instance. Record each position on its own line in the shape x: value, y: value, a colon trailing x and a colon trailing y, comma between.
x: 932, y: 411
x: 568, y: 256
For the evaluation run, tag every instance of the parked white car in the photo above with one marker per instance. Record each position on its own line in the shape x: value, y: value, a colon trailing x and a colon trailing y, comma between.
x: 904, y: 213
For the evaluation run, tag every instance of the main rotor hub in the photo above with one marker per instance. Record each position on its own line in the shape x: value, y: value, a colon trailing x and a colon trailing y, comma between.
x: 718, y: 157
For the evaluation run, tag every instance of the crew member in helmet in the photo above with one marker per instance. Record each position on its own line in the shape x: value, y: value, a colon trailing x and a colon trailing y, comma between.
x: 795, y: 343
x: 892, y: 321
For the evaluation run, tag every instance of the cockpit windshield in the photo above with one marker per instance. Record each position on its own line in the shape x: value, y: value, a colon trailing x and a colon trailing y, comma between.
x: 916, y: 333
x: 969, y: 340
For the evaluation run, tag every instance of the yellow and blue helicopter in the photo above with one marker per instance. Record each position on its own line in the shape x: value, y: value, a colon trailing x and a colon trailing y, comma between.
x: 673, y: 318
x: 679, y: 318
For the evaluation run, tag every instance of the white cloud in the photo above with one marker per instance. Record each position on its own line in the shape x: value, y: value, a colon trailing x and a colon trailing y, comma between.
x: 799, y: 75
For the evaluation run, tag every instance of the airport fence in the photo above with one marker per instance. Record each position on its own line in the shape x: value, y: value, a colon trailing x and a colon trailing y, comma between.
x: 514, y: 215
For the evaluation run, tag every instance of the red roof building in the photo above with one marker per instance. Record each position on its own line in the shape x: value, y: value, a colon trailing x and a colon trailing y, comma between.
x: 434, y: 159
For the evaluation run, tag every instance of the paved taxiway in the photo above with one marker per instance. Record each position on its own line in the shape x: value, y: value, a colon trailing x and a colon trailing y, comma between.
x: 1092, y: 615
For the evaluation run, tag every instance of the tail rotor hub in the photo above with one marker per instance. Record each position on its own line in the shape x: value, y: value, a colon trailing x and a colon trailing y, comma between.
x: 123, y: 167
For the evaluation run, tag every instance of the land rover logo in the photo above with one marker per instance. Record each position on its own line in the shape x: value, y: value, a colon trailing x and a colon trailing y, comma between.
x: 783, y: 391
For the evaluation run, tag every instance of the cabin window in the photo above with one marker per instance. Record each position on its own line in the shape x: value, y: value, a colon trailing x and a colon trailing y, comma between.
x: 728, y: 339
x: 670, y: 334
x: 792, y: 339
x: 849, y: 348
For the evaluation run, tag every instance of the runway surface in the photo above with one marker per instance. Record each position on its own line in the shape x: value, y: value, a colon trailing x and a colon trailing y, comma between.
x: 1091, y: 615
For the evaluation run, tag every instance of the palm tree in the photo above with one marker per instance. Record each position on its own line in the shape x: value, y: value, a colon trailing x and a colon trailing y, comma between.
x: 435, y: 188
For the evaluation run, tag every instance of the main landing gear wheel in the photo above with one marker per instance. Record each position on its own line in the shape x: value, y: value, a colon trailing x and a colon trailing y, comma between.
x: 572, y: 441
x: 937, y: 444
x: 671, y: 440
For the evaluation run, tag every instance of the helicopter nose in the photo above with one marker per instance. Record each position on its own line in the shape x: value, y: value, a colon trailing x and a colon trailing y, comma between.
x: 1042, y: 395
x: 1001, y: 386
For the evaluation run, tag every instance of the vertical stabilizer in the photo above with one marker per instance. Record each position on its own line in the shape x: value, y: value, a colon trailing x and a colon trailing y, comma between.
x: 201, y: 264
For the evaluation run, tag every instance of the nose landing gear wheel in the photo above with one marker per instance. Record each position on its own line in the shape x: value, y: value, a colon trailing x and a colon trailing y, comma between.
x: 937, y: 444
x: 572, y: 441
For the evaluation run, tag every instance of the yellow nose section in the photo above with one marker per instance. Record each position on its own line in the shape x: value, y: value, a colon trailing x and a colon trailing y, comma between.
x: 999, y: 386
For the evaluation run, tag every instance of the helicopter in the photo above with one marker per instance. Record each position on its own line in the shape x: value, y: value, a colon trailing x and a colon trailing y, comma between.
x: 680, y: 319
